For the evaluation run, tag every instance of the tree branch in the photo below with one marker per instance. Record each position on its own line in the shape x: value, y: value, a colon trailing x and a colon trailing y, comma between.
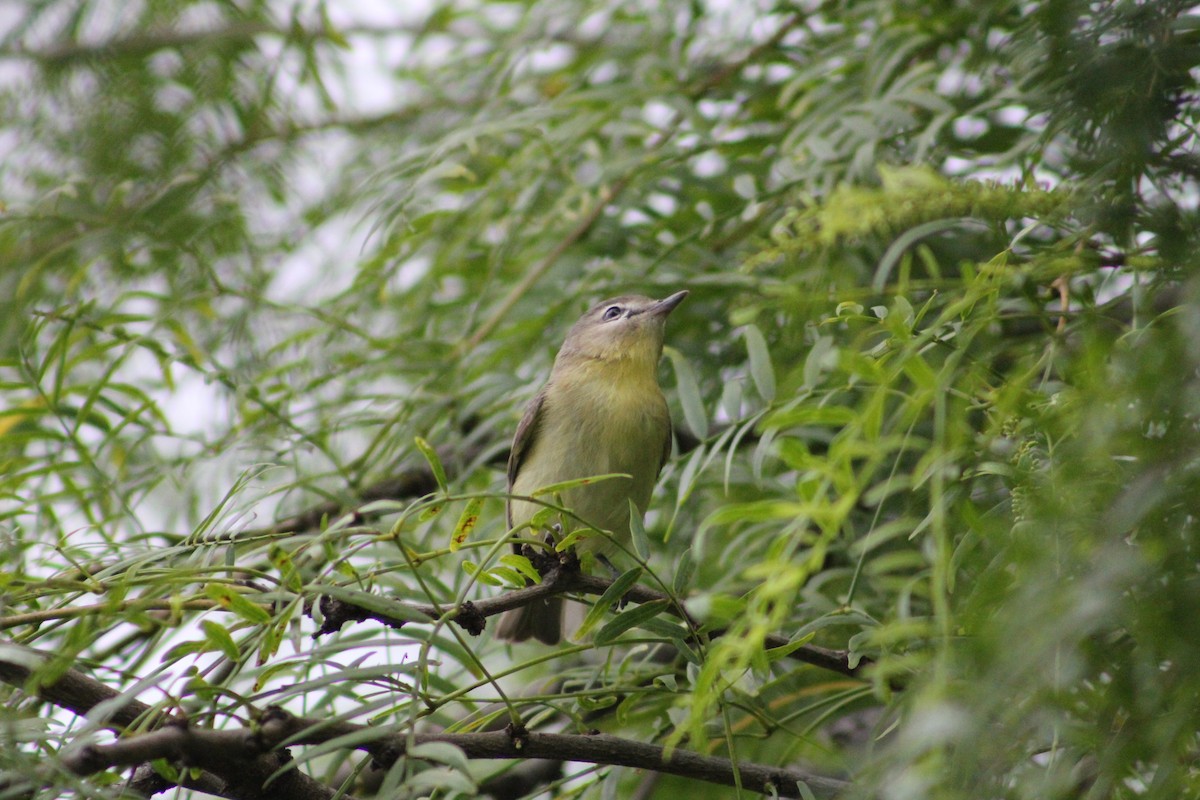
x: 205, y: 746
x: 245, y: 757
x: 242, y: 772
x: 558, y: 581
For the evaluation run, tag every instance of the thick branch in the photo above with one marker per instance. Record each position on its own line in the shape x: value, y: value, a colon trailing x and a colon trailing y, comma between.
x: 616, y: 751
x: 241, y: 771
x: 245, y: 747
x: 245, y: 757
x: 73, y: 690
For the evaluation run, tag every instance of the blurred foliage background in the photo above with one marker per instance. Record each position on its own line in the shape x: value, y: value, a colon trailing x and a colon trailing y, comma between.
x: 940, y: 355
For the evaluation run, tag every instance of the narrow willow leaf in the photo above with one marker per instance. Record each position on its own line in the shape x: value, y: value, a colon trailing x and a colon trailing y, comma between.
x: 811, y: 414
x: 379, y: 507
x: 731, y: 400
x: 220, y: 639
x: 466, y: 523
x: 521, y: 564
x: 905, y: 241
x: 641, y: 543
x: 761, y: 369
x: 582, y: 534
x: 689, y: 393
x: 233, y: 601
x: 562, y: 486
x: 481, y: 575
x: 817, y: 360
x: 508, y: 577
x: 920, y: 372
x: 684, y: 571
x: 446, y: 753
x: 543, y: 519
x: 435, y: 463
x: 760, y: 453
x: 630, y: 619
x: 454, y: 783
x: 776, y: 653
x: 607, y: 600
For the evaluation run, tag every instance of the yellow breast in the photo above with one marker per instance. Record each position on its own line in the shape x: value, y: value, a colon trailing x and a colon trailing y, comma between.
x: 602, y: 418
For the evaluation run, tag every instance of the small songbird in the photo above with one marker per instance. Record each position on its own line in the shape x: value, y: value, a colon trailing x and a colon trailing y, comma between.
x: 601, y: 412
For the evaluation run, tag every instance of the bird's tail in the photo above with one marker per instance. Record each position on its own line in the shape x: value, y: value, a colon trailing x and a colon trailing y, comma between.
x: 541, y: 620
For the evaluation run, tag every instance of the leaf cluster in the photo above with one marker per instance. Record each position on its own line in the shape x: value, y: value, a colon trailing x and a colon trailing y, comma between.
x: 266, y: 335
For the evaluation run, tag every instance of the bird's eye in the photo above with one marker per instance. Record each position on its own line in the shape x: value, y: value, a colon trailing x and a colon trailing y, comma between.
x: 612, y: 312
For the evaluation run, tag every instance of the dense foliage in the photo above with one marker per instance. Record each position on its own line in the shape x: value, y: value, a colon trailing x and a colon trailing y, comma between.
x: 278, y: 281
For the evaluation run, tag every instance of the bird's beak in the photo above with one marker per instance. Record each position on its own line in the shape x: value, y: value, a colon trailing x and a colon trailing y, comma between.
x: 667, y: 304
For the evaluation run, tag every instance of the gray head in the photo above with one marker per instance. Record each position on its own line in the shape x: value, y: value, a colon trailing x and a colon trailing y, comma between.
x: 629, y: 327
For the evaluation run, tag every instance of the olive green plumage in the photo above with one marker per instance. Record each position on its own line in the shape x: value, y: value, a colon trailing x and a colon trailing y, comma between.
x: 600, y: 412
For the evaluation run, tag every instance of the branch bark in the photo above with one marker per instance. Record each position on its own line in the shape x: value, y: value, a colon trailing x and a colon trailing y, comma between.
x: 245, y: 758
x: 204, y: 746
x: 241, y: 771
x: 240, y: 760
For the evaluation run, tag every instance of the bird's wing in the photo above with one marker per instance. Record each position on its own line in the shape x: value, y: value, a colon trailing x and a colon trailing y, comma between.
x: 527, y: 430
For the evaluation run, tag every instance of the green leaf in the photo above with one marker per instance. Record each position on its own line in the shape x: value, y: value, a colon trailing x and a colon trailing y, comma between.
x: 630, y: 619
x: 819, y: 358
x: 442, y: 752
x: 166, y: 770
x: 481, y: 575
x: 578, y: 535
x: 507, y: 576
x: 684, y: 571
x: 810, y: 413
x: 522, y: 565
x: 231, y: 600
x: 562, y: 486
x: 716, y: 607
x: 641, y: 543
x: 921, y: 373
x: 543, y: 519
x: 689, y: 393
x: 435, y: 463
x: 446, y: 780
x: 776, y: 653
x: 731, y: 399
x: 220, y: 639
x: 760, y: 363
x: 611, y: 596
x: 466, y: 523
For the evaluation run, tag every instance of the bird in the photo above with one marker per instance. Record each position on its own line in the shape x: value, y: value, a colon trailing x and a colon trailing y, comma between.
x: 600, y: 412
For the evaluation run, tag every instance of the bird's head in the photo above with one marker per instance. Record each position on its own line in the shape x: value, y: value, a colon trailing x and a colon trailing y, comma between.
x: 625, y: 329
